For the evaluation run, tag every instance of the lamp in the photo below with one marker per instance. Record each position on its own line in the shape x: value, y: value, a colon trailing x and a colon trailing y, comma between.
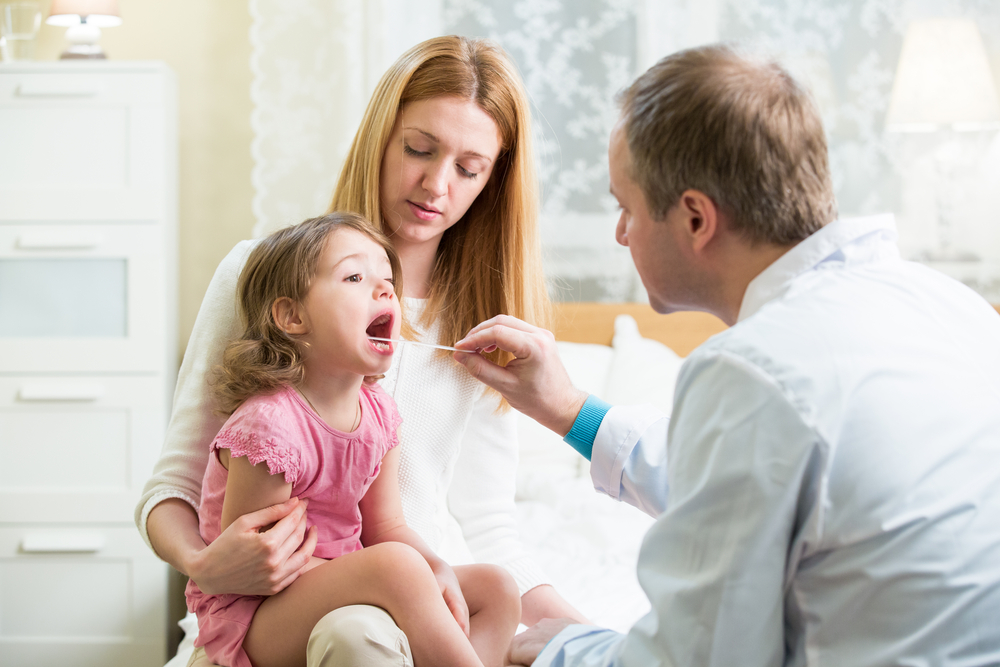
x: 943, y: 83
x: 83, y: 20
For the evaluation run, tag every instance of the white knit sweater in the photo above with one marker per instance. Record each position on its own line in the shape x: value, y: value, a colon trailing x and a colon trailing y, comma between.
x: 458, y: 457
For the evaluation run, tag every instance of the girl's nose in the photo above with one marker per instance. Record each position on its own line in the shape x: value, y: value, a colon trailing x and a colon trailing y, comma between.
x: 384, y: 288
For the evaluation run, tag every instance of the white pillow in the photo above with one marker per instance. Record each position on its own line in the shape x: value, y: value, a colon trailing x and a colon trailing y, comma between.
x: 543, y: 457
x: 642, y: 370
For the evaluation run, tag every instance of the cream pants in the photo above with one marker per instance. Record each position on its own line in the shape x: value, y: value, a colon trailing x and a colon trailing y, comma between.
x: 355, y: 636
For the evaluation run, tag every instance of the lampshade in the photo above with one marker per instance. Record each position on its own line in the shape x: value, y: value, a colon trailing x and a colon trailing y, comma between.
x: 943, y: 78
x: 100, y: 13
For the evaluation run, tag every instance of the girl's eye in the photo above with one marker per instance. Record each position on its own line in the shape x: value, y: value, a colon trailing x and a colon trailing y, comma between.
x: 466, y: 173
x: 411, y: 151
x: 356, y: 278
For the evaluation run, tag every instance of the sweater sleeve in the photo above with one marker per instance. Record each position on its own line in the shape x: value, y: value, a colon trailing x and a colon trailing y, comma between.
x: 193, y: 422
x: 481, y: 493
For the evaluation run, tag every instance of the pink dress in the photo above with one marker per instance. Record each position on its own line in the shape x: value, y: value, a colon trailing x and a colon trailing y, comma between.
x: 332, y: 468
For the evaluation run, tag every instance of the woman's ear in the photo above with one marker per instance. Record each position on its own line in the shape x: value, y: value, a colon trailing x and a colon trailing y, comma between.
x: 288, y: 315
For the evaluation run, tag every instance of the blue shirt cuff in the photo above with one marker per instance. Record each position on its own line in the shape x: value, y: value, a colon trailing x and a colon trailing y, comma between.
x: 581, y: 436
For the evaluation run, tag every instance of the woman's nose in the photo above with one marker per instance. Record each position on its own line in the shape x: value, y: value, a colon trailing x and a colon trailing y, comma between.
x: 436, y: 179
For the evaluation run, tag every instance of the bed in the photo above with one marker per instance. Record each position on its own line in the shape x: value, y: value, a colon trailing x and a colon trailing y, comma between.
x: 587, y: 542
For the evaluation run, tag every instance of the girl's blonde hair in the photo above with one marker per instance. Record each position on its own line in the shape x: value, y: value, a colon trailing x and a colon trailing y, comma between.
x: 283, y: 264
x: 489, y: 262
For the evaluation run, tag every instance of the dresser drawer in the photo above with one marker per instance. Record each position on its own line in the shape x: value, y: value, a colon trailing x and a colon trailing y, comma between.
x: 84, y: 144
x: 88, y: 298
x: 83, y: 596
x: 77, y: 449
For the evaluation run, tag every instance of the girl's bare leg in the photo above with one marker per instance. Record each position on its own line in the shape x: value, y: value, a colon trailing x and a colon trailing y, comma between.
x: 390, y: 575
x: 494, y: 610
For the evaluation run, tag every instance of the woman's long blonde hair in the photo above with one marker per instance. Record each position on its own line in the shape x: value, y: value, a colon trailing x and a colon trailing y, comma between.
x: 489, y: 262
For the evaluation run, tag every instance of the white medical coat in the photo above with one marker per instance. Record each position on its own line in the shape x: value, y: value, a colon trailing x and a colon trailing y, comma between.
x: 830, y: 493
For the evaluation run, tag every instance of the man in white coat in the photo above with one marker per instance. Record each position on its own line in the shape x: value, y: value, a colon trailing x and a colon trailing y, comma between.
x: 827, y: 487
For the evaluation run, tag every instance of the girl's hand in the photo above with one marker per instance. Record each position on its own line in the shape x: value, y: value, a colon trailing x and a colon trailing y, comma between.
x: 245, y: 561
x: 452, y: 593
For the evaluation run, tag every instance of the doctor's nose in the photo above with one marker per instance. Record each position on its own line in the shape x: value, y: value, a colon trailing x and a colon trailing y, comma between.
x: 620, y: 234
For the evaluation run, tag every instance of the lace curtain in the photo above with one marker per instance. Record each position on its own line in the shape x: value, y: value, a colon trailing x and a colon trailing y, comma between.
x: 315, y: 63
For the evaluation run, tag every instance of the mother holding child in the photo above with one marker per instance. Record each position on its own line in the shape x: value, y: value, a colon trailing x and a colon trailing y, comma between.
x: 306, y: 472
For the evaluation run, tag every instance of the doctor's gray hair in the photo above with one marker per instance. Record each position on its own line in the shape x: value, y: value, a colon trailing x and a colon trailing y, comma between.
x: 742, y: 131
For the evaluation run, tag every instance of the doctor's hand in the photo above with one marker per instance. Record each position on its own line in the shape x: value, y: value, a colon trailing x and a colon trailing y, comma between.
x: 535, y: 382
x: 525, y: 647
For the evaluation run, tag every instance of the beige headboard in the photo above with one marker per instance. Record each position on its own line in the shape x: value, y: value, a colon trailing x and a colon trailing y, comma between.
x: 595, y: 322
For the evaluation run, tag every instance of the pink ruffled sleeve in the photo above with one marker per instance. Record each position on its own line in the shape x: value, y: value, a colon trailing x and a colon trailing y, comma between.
x: 257, y: 431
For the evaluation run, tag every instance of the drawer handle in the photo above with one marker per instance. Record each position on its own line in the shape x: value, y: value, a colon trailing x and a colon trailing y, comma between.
x: 58, y: 241
x: 35, y: 543
x: 41, y: 90
x: 56, y: 391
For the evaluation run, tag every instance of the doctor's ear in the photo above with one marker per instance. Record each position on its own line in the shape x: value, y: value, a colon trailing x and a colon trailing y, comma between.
x: 287, y: 315
x: 701, y: 218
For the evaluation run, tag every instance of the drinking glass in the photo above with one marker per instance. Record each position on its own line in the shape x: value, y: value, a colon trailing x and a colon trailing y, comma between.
x: 19, y: 23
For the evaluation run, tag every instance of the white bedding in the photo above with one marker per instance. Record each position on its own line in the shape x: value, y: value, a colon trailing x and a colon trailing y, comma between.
x: 586, y: 542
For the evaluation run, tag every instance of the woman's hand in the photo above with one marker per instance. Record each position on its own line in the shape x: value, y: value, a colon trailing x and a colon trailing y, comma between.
x: 535, y: 383
x: 245, y: 561
x: 452, y: 593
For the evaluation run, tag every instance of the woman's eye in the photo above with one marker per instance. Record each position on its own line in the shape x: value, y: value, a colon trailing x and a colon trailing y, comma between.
x: 412, y: 151
x: 466, y: 173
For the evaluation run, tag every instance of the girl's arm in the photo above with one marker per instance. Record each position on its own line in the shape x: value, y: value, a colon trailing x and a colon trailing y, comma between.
x: 382, y: 521
x: 242, y: 560
x: 250, y: 487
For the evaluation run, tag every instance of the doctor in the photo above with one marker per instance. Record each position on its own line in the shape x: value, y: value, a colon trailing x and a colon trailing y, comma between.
x: 828, y: 485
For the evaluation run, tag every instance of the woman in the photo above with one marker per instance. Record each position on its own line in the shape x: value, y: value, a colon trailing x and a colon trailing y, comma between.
x: 443, y: 163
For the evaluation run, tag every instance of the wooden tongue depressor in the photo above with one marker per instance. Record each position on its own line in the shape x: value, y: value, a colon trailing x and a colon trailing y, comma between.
x: 415, y: 342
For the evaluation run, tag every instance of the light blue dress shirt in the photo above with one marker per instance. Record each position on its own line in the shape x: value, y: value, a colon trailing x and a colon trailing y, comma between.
x: 833, y: 471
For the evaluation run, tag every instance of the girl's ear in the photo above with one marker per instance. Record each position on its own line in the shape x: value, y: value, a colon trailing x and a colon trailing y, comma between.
x: 288, y: 316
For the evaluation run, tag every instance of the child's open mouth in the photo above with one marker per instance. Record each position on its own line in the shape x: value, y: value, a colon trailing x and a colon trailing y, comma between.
x: 381, y: 327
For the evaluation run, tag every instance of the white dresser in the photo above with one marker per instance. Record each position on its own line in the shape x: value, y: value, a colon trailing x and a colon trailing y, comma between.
x: 88, y: 235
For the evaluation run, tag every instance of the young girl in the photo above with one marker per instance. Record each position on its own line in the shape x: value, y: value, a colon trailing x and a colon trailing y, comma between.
x: 309, y: 421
